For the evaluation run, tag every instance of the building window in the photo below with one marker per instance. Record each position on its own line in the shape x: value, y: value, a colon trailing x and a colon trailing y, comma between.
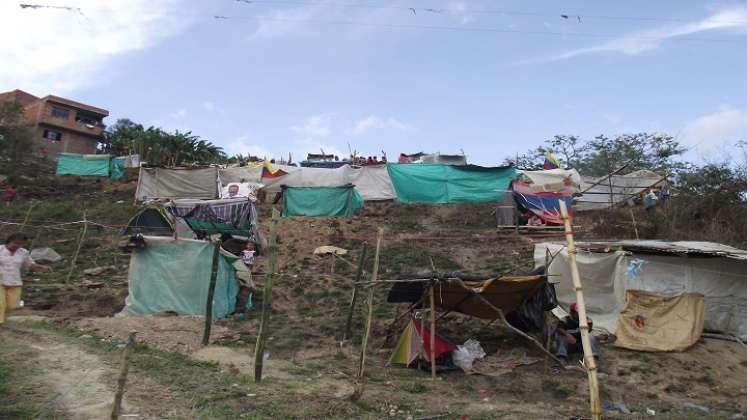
x: 88, y: 119
x: 52, y: 135
x: 58, y: 112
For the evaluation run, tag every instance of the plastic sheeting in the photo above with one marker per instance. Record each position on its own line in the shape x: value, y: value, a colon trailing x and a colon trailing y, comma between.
x: 551, y: 180
x: 321, y: 201
x: 650, y: 322
x: 437, y: 183
x: 597, y: 196
x: 154, y: 183
x: 170, y: 275
x: 607, y: 276
x: 83, y: 165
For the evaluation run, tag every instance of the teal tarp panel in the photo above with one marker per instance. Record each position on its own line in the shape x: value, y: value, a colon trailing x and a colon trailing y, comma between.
x: 117, y: 168
x: 83, y: 165
x: 439, y: 183
x: 321, y: 201
x: 170, y: 275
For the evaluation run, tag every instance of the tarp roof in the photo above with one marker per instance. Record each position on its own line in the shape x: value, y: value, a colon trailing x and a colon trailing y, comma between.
x: 596, y: 190
x: 710, y: 249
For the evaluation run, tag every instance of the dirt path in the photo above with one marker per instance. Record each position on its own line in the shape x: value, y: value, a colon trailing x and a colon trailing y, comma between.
x: 83, y: 382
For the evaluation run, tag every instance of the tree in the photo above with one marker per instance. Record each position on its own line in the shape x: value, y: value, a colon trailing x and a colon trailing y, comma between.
x: 158, y: 147
x: 15, y: 137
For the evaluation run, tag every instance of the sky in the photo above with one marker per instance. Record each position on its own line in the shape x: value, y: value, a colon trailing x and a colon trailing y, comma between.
x: 486, y: 78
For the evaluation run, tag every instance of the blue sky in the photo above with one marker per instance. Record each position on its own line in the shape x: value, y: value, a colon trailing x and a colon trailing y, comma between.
x: 490, y: 78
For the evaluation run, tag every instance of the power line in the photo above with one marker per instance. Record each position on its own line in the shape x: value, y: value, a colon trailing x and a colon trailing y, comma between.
x: 507, y: 12
x: 476, y: 29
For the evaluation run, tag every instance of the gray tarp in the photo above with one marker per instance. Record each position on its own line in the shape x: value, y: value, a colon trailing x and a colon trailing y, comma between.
x: 156, y: 183
x: 606, y: 276
x: 597, y: 196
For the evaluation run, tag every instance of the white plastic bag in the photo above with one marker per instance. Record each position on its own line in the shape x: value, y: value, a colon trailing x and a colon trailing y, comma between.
x: 45, y: 254
x: 466, y: 354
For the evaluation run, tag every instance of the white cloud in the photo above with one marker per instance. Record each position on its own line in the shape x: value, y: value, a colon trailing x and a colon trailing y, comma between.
x: 243, y: 146
x: 712, y: 130
x: 315, y: 126
x: 178, y: 115
x: 731, y: 19
x: 310, y: 145
x: 373, y: 122
x: 58, y: 51
x: 459, y: 11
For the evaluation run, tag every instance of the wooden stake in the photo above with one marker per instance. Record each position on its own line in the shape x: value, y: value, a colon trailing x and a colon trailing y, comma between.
x: 349, y: 323
x: 433, y: 330
x: 122, y: 380
x: 28, y: 215
x: 367, y: 333
x: 211, y: 294
x: 589, y: 362
x: 635, y: 225
x: 264, y: 325
x: 77, y: 250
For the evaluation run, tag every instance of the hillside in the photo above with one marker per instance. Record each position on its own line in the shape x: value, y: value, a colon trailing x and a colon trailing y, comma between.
x: 173, y: 377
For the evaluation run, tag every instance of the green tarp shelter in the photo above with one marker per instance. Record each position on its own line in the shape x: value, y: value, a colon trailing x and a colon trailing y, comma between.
x: 90, y: 165
x: 442, y: 184
x: 321, y: 201
x: 169, y: 275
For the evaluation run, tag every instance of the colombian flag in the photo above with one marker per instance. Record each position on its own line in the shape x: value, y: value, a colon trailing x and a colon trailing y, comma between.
x: 550, y: 161
x: 269, y: 172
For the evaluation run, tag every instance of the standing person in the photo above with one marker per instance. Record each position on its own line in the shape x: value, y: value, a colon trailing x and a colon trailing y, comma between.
x: 246, y: 286
x: 13, y: 258
x: 9, y: 195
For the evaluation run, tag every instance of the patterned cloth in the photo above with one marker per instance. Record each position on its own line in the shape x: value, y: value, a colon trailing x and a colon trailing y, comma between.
x: 11, y: 265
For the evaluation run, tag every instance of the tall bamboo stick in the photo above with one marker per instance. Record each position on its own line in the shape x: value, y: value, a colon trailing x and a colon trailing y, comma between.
x: 349, y: 323
x: 122, y: 380
x: 589, y: 362
x: 433, y: 330
x: 211, y: 294
x: 272, y: 250
x: 77, y: 250
x: 28, y: 215
x: 367, y: 333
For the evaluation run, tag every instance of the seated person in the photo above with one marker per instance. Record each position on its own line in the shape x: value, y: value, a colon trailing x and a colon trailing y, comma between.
x: 535, y: 220
x: 568, y: 337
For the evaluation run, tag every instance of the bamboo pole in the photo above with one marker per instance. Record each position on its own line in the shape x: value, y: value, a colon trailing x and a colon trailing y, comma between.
x: 349, y: 323
x: 367, y: 333
x: 589, y: 362
x: 433, y: 330
x: 77, y: 250
x: 272, y: 250
x: 211, y: 294
x: 122, y: 380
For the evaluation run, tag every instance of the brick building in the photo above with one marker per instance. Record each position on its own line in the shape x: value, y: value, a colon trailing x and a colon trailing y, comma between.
x: 58, y: 124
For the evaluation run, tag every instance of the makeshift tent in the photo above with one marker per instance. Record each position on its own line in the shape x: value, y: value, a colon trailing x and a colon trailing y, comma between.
x: 372, y: 182
x: 438, y: 183
x: 151, y: 221
x: 597, y: 193
x: 437, y: 158
x: 415, y: 343
x: 169, y: 275
x: 321, y: 201
x: 505, y: 293
x: 163, y: 183
x: 89, y: 165
x: 651, y: 322
x: 236, y: 216
x: 608, y: 270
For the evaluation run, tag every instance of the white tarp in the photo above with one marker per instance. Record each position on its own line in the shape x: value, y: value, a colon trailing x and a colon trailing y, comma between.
x: 607, y: 276
x: 154, y: 183
x: 596, y: 191
x: 371, y: 182
x: 551, y: 180
x: 240, y: 190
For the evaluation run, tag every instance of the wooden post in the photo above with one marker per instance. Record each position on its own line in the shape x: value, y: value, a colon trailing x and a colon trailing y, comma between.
x: 374, y: 277
x: 433, y: 329
x: 264, y: 325
x: 211, y: 294
x: 589, y: 362
x: 349, y: 323
x: 77, y: 250
x: 28, y: 215
x: 122, y: 380
x: 635, y: 225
